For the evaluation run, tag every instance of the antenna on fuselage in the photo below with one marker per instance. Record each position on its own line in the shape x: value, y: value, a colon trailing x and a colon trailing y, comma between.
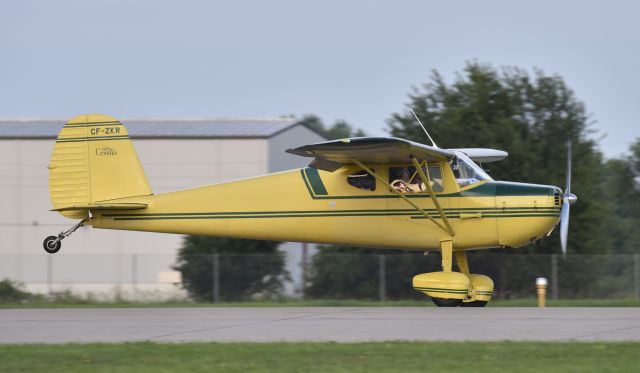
x: 424, y: 129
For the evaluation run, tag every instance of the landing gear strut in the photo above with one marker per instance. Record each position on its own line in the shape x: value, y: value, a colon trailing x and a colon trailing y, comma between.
x: 454, y: 289
x: 52, y: 244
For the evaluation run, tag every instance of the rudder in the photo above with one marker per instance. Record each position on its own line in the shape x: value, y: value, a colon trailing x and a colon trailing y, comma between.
x: 93, y: 161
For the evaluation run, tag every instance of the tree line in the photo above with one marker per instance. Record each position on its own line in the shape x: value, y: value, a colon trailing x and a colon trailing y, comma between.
x: 529, y: 115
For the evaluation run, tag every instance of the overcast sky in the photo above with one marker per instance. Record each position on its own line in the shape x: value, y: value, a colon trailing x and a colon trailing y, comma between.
x: 351, y: 60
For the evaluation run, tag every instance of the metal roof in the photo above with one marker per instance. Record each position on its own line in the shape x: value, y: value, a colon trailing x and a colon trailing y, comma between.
x: 261, y: 127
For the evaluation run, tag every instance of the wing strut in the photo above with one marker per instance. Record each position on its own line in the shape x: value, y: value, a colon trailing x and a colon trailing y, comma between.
x: 367, y: 170
x: 427, y: 182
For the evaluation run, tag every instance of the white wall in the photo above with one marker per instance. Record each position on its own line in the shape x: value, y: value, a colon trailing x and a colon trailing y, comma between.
x: 279, y: 160
x: 101, y: 260
x: 174, y: 164
x: 170, y: 164
x: 92, y: 258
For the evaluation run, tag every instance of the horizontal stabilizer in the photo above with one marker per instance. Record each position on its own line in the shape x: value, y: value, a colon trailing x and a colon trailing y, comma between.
x: 105, y: 206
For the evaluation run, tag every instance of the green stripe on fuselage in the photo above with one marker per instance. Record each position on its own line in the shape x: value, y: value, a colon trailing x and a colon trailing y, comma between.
x: 101, y: 138
x: 412, y: 211
x: 93, y: 124
x: 440, y: 290
x: 309, y: 214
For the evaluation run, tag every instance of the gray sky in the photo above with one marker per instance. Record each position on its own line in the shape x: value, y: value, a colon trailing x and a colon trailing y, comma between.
x: 351, y: 60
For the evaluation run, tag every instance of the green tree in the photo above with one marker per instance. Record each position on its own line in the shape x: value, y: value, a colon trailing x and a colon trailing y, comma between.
x: 531, y: 116
x: 347, y: 272
x: 339, y: 130
x: 13, y: 292
x: 247, y: 268
x: 622, y: 193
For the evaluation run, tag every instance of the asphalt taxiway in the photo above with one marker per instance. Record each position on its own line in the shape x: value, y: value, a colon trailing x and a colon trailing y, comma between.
x: 340, y: 324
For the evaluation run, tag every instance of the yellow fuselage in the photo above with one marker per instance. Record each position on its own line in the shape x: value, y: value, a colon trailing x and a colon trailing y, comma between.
x: 308, y: 205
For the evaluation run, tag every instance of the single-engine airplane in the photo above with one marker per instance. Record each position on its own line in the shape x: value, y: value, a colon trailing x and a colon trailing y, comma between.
x: 367, y: 191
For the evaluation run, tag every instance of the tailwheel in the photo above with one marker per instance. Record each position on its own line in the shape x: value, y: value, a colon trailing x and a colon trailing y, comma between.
x: 441, y: 302
x: 52, y: 244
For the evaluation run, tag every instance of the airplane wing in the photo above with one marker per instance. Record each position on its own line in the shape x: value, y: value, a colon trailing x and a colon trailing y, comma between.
x: 330, y: 155
x: 482, y: 155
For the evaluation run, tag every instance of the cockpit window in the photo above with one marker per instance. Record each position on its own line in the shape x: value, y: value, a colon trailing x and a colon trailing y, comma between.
x: 405, y: 179
x: 466, y: 171
x: 362, y: 180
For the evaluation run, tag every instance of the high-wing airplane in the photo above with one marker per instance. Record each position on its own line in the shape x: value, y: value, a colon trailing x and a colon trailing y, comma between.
x: 370, y: 191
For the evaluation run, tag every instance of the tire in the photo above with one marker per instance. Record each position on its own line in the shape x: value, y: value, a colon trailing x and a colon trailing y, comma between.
x: 441, y: 302
x: 49, y: 245
x: 477, y: 303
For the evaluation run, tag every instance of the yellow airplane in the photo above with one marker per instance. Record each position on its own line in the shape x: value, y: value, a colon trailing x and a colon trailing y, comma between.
x: 368, y: 191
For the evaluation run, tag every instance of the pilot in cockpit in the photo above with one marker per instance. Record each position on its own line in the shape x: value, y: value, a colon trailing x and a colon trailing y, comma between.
x: 402, y: 181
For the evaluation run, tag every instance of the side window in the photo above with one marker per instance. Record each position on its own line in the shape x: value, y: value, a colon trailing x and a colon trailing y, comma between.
x: 406, y: 179
x: 435, y: 174
x: 362, y: 180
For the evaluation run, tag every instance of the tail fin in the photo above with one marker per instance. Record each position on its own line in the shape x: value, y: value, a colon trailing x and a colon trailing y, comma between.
x: 93, y: 162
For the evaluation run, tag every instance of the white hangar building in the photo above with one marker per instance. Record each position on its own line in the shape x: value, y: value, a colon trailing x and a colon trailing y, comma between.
x: 176, y: 153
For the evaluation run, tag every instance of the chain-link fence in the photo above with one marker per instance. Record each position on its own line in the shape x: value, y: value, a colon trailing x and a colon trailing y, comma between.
x: 389, y: 276
x: 326, y: 276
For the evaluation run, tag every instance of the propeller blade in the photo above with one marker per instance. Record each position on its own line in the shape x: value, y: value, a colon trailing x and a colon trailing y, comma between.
x: 567, y: 188
x: 564, y: 225
x: 568, y: 199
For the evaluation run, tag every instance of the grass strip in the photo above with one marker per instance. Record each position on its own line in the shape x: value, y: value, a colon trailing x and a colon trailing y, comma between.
x: 323, y: 357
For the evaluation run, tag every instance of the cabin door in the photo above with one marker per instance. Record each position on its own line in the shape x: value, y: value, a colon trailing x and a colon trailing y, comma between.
x: 406, y: 218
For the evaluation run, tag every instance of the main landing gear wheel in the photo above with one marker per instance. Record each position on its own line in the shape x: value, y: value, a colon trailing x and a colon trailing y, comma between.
x: 475, y: 303
x: 441, y: 302
x: 52, y: 244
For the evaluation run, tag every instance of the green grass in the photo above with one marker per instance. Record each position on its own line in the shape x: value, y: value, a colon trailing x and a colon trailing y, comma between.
x: 323, y: 357
x: 326, y: 303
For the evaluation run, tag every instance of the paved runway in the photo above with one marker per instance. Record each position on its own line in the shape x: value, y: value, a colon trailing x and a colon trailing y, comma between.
x: 340, y: 324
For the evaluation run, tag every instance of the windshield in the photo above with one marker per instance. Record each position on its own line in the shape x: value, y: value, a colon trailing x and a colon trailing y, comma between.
x: 466, y: 171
